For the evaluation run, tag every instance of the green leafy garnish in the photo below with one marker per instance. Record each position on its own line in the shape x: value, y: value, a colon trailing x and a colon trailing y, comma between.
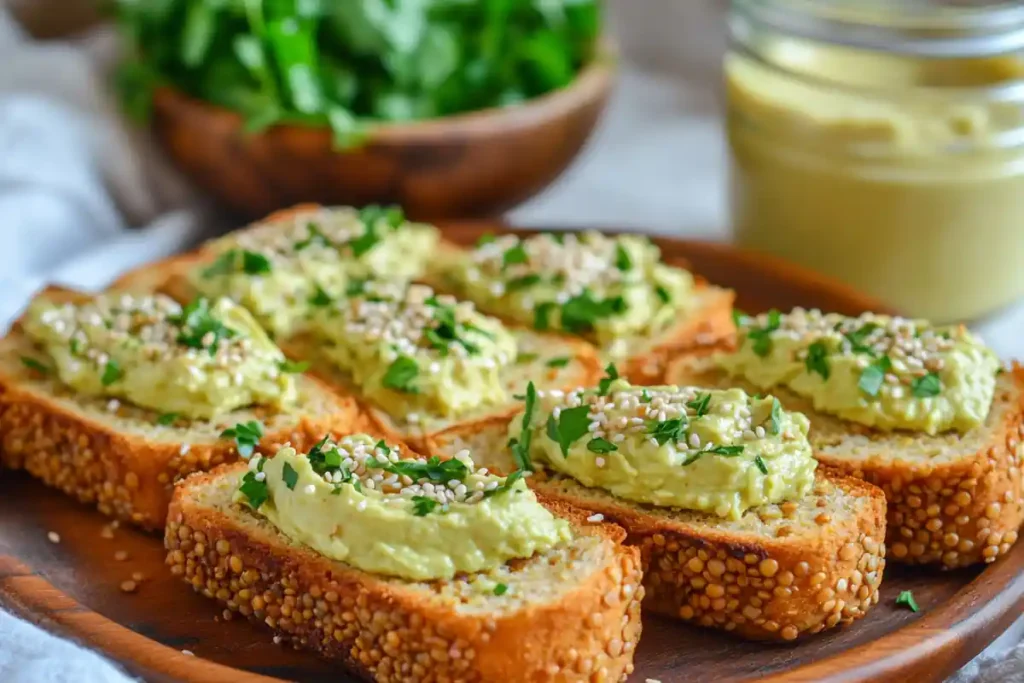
x: 423, y: 506
x: 247, y: 436
x: 725, y: 450
x: 673, y: 430
x: 254, y: 489
x: 559, y: 362
x: 873, y: 376
x: 611, y: 374
x: 761, y: 465
x: 112, y: 372
x: 506, y: 485
x: 75, y: 345
x: 857, y: 337
x: 663, y: 294
x: 500, y: 589
x: 644, y: 396
x: 486, y: 238
x: 542, y: 315
x: 320, y: 298
x: 906, y: 599
x: 314, y: 237
x: 289, y: 476
x: 600, y: 445
x: 622, y: 260
x: 449, y: 330
x: 167, y: 419
x: 524, y: 358
x: 33, y: 364
x: 382, y: 446
x: 776, y: 425
x: 374, y: 218
x: 520, y: 446
x: 356, y: 286
x: 572, y: 424
x: 522, y: 282
x: 761, y: 336
x: 817, y: 359
x: 434, y: 470
x: 701, y: 404
x: 228, y: 262
x: 739, y: 318
x: 926, y: 386
x: 293, y: 367
x: 401, y: 375
x: 200, y: 328
x: 581, y: 312
x: 514, y: 255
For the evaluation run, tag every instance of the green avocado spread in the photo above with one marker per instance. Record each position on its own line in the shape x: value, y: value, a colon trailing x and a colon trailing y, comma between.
x: 200, y: 361
x: 413, y: 352
x: 715, y: 451
x: 279, y: 269
x: 880, y: 371
x: 359, y: 502
x: 606, y: 289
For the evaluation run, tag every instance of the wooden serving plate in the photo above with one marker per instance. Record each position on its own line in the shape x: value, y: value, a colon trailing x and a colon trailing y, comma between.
x: 73, y: 587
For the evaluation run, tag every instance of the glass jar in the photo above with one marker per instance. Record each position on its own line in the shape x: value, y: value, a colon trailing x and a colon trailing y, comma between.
x: 883, y: 143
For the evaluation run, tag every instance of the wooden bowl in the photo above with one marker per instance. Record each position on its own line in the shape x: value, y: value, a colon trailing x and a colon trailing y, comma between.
x: 73, y: 587
x: 474, y: 164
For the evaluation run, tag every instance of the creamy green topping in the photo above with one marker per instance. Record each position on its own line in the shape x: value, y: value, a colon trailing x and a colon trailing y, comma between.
x: 881, y: 371
x: 199, y: 361
x: 709, y: 450
x: 412, y: 351
x: 279, y: 269
x: 607, y: 289
x: 358, y: 501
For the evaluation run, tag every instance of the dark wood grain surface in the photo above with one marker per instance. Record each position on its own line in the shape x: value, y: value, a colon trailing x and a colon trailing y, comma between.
x: 74, y: 587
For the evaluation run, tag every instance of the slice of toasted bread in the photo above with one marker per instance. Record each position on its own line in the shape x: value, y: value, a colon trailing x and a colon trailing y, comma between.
x: 488, y: 425
x: 709, y: 323
x: 117, y: 455
x: 779, y: 572
x: 568, y: 614
x: 954, y: 499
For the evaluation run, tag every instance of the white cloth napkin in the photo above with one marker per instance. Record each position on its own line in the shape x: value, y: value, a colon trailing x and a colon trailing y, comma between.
x: 74, y: 178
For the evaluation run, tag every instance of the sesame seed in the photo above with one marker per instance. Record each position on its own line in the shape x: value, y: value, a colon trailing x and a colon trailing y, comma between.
x: 597, y: 517
x: 185, y: 448
x: 53, y: 537
x: 310, y: 489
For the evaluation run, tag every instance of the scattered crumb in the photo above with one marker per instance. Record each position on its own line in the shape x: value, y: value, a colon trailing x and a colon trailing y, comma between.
x: 129, y: 586
x: 107, y: 532
x: 188, y: 652
x: 227, y: 615
x: 116, y: 524
x: 121, y: 556
x: 53, y: 536
x: 138, y: 577
x: 277, y: 640
x: 598, y: 517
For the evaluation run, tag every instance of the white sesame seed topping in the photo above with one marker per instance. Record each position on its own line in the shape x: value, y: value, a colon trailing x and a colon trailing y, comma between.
x: 53, y: 537
x: 597, y: 517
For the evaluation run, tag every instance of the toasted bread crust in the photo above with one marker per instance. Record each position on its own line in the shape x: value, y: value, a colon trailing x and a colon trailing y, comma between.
x: 387, y: 633
x: 765, y: 588
x: 954, y: 513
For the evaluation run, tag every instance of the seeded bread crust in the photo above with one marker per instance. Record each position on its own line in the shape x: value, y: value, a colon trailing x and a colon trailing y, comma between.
x: 446, y: 438
x: 778, y: 573
x: 121, y: 460
x: 709, y: 324
x: 953, y: 500
x: 584, y: 627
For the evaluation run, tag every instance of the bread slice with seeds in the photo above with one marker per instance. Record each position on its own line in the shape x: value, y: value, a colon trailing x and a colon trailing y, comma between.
x: 779, y: 572
x: 953, y: 499
x: 568, y: 614
x: 551, y: 361
x: 643, y: 359
x: 122, y: 458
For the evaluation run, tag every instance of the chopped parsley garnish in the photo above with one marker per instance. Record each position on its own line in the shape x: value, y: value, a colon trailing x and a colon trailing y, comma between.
x: 255, y: 264
x: 380, y: 445
x: 663, y: 294
x: 520, y: 446
x: 247, y: 436
x: 522, y: 282
x: 926, y: 386
x: 252, y: 263
x: 611, y: 374
x: 507, y: 485
x: 571, y: 425
x: 401, y: 374
x: 581, y: 312
x: 622, y: 260
x: 75, y: 345
x: 739, y: 317
x: 906, y: 599
x: 644, y: 396
x: 356, y: 286
x: 372, y: 217
x: 112, y: 372
x: 254, y: 489
x: 776, y: 425
x: 761, y: 336
x: 434, y: 470
x: 223, y: 265
x: 199, y: 326
x: 500, y: 589
x: 167, y: 419
x: 873, y: 376
x: 33, y: 364
x: 725, y: 450
x: 669, y: 430
x: 486, y: 238
x: 314, y: 237
x: 289, y: 476
x: 449, y: 330
x: 817, y: 359
x: 701, y: 404
x: 293, y: 367
x: 323, y: 461
x: 857, y: 337
x: 761, y: 465
x: 320, y: 298
x: 423, y: 506
x: 559, y: 362
x: 542, y: 315
x: 524, y: 358
x: 600, y: 445
x: 516, y: 254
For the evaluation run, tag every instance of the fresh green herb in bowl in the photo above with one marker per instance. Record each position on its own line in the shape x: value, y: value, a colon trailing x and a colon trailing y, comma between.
x: 353, y: 64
